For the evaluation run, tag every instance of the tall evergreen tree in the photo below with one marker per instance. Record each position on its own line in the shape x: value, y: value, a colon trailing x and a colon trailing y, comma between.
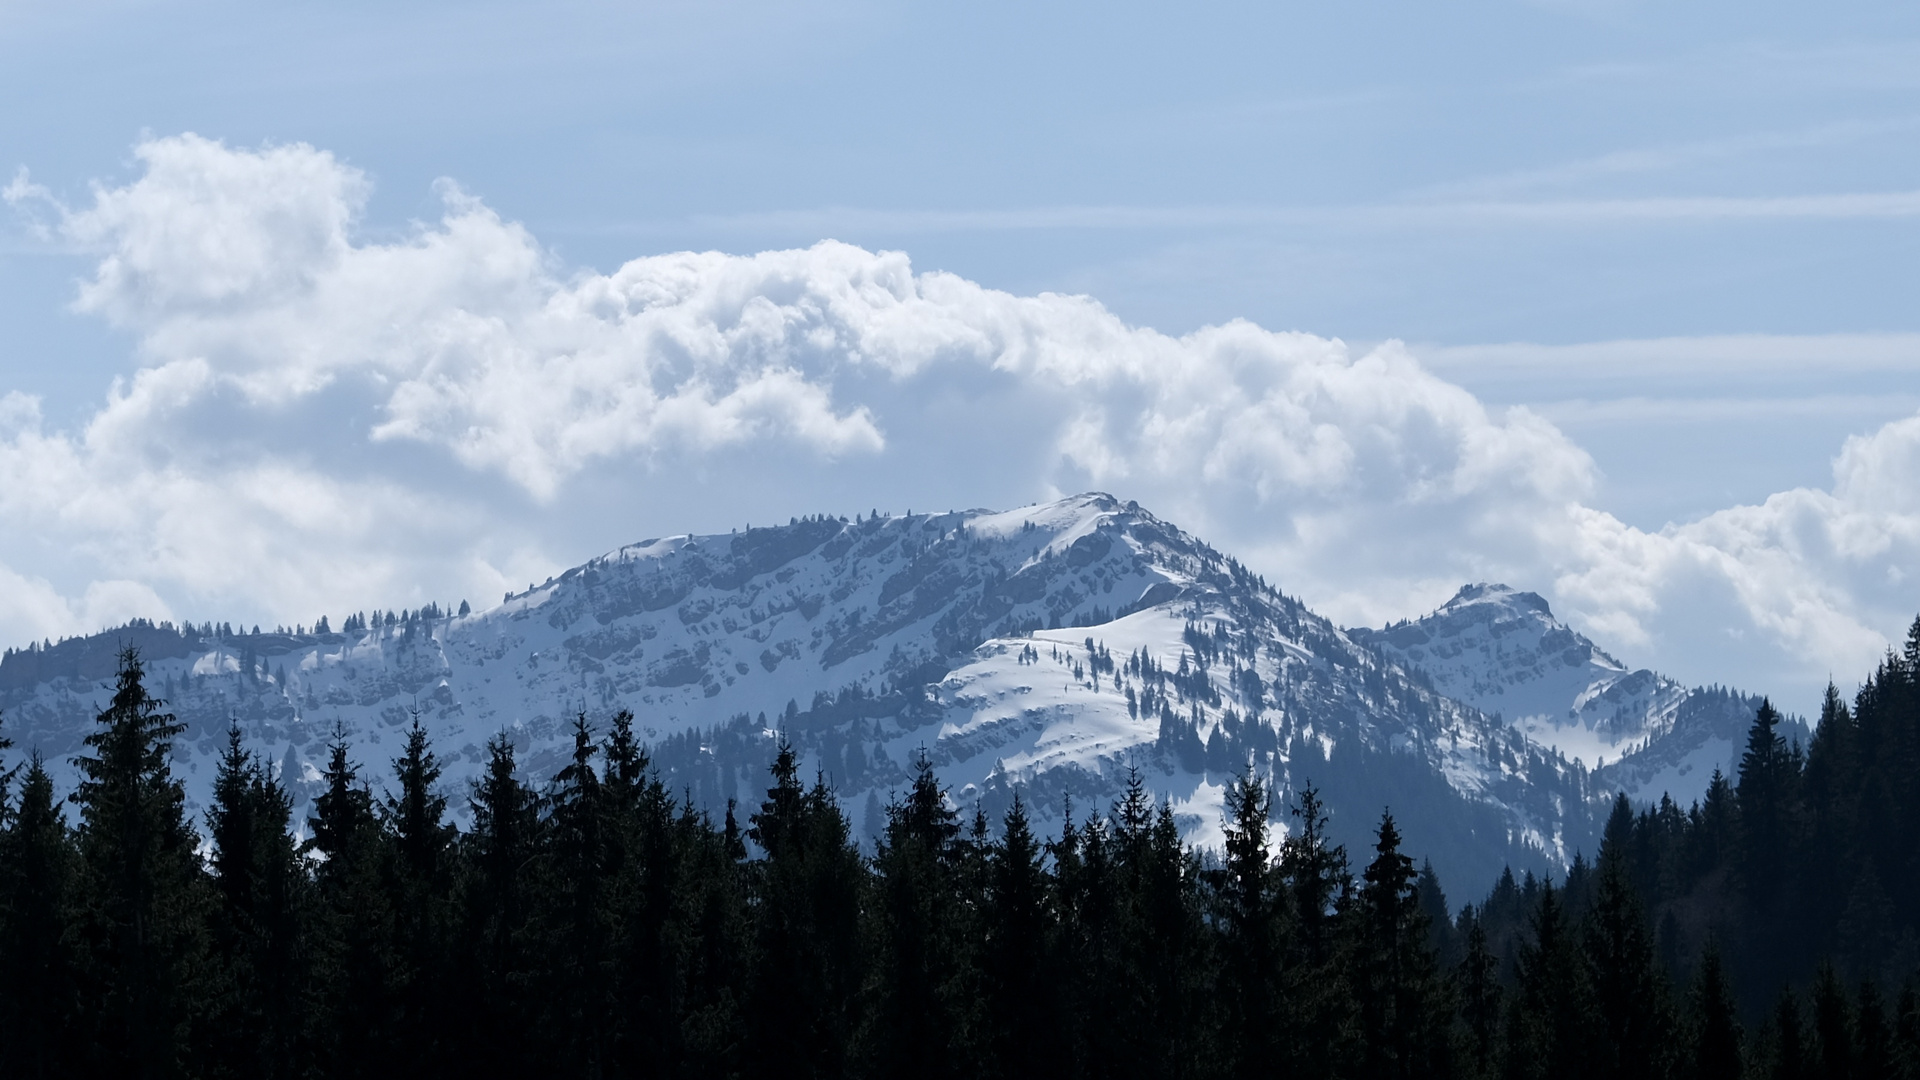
x: 1313, y: 871
x: 1019, y: 955
x: 355, y: 1025
x: 414, y: 819
x: 1253, y: 918
x: 39, y: 1006
x: 255, y: 1029
x: 1788, y: 1045
x: 1396, y: 984
x: 1877, y: 1058
x: 1160, y: 956
x: 1769, y: 796
x: 1629, y: 991
x: 1090, y: 958
x: 1550, y: 1021
x: 1478, y: 991
x: 496, y: 900
x: 807, y: 895
x: 914, y: 1028
x: 1715, y: 1022
x: 576, y: 913
x: 650, y: 860
x: 145, y: 896
x: 1834, y: 1054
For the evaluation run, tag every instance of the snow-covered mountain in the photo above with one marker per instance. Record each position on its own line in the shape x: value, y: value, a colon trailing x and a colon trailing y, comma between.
x: 1503, y: 652
x: 1048, y: 651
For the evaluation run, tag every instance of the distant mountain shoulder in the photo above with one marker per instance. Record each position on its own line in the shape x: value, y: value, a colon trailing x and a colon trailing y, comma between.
x: 1502, y: 651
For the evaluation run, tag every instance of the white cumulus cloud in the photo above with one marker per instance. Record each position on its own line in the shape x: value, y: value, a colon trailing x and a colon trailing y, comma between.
x: 323, y: 420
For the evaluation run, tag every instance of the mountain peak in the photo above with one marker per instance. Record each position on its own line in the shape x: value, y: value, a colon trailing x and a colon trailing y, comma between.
x: 1500, y: 595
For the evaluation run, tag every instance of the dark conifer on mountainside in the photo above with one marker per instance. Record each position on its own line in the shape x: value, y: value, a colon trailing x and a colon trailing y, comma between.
x: 1253, y: 916
x: 357, y: 977
x: 805, y: 895
x: 578, y: 943
x: 1403, y: 1031
x: 1164, y: 949
x: 1629, y: 990
x: 1019, y: 953
x: 141, y: 920
x: 414, y: 820
x: 1315, y: 875
x: 1551, y: 1023
x: 39, y: 980
x: 257, y: 1018
x: 495, y: 898
x: 917, y: 980
x: 1834, y: 1053
x: 1478, y: 991
x: 1715, y: 1034
x: 1785, y: 1046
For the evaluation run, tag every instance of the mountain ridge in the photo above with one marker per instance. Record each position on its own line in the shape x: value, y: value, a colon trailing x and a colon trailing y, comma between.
x: 1502, y: 651
x: 1051, y: 651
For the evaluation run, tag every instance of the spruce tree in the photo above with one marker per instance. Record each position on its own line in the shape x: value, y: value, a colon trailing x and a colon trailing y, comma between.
x: 1160, y: 948
x: 913, y: 1027
x: 1834, y: 1053
x: 651, y: 856
x: 1787, y: 1048
x: 414, y: 820
x: 1315, y: 872
x: 1319, y: 993
x: 1252, y: 916
x: 712, y: 965
x: 1550, y: 1020
x: 1018, y: 959
x: 1478, y: 990
x: 145, y: 895
x: 1906, y: 1030
x: 807, y: 894
x: 1769, y: 811
x: 1715, y: 1022
x: 1090, y: 960
x: 39, y: 987
x: 496, y: 900
x: 355, y: 1024
x: 1629, y: 991
x: 1396, y: 982
x: 1433, y: 904
x: 1876, y: 1055
x: 576, y: 913
x: 258, y: 879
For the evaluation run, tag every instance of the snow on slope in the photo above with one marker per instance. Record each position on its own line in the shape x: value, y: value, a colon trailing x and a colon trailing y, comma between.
x: 1048, y: 651
x: 1502, y: 652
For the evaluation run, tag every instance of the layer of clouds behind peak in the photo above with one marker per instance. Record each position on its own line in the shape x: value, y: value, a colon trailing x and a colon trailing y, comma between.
x: 323, y: 421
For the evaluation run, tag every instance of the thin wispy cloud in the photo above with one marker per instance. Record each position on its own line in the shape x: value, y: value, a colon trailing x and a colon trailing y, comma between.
x: 1773, y: 67
x: 1640, y: 410
x: 1668, y: 158
x: 1435, y: 213
x: 1722, y: 354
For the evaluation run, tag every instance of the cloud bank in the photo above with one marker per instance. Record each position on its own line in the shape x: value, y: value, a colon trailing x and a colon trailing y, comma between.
x: 322, y: 421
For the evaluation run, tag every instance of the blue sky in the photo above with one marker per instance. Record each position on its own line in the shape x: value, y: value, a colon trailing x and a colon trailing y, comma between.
x: 1681, y: 240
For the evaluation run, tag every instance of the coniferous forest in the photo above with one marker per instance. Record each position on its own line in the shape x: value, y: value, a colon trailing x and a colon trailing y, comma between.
x: 595, y: 925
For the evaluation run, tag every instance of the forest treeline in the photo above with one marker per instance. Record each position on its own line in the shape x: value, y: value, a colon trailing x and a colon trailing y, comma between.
x: 595, y: 925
